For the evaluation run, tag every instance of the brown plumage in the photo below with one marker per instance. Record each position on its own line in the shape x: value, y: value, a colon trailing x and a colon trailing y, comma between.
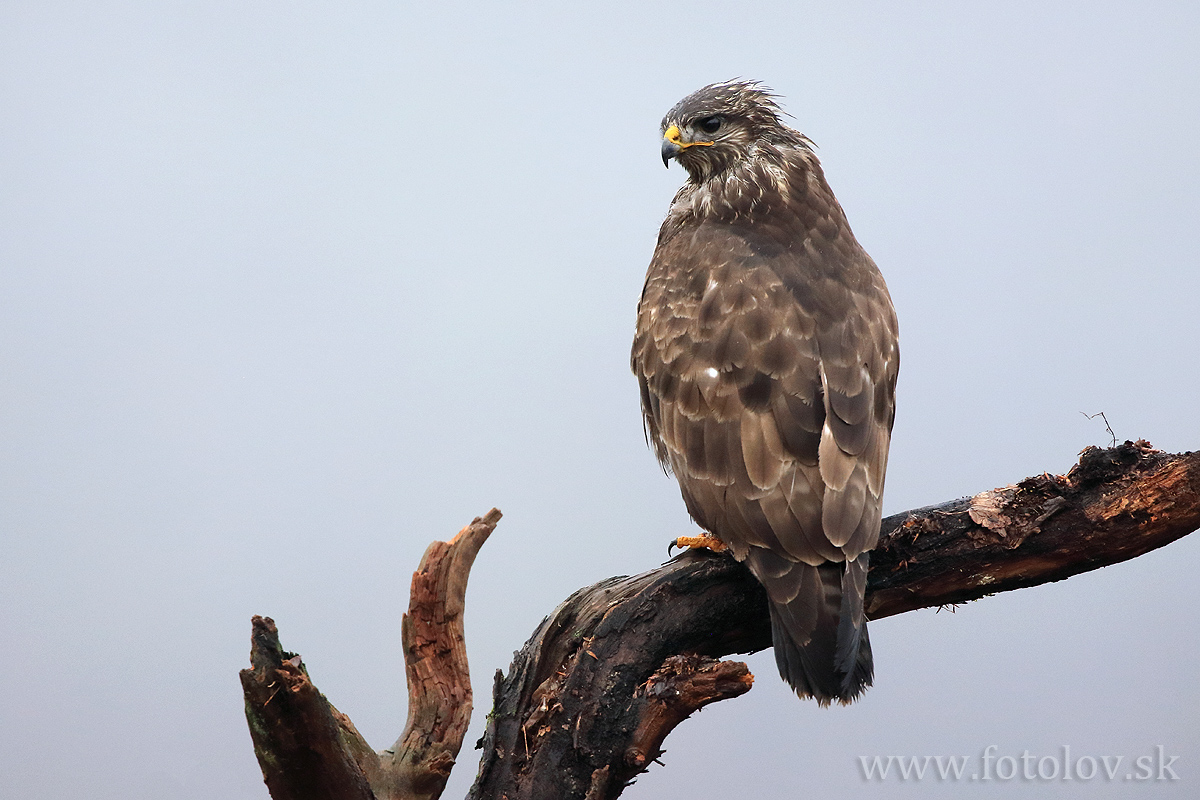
x: 766, y: 352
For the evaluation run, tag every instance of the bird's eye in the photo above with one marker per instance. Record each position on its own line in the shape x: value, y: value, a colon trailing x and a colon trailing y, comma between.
x: 710, y: 124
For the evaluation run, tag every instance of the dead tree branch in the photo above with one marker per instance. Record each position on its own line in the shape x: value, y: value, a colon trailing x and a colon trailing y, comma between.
x: 308, y: 749
x: 435, y: 658
x: 1114, y: 505
x: 567, y: 717
x: 604, y: 679
x: 296, y: 732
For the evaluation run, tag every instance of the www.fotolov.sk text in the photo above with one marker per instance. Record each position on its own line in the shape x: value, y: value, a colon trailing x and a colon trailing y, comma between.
x: 1059, y: 766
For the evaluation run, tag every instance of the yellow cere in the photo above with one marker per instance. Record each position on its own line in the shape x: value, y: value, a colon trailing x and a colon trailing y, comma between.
x: 673, y: 136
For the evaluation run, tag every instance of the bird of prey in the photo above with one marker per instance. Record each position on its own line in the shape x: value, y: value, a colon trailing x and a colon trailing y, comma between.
x: 766, y: 352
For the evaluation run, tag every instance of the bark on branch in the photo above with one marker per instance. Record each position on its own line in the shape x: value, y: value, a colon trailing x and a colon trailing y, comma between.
x: 604, y: 679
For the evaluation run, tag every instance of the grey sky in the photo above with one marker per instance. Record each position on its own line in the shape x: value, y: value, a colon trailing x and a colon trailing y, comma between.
x: 289, y: 290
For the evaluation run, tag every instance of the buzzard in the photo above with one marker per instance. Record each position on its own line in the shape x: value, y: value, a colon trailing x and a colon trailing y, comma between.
x: 766, y: 352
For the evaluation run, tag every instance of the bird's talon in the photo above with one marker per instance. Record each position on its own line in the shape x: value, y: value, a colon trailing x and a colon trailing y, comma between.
x: 694, y: 542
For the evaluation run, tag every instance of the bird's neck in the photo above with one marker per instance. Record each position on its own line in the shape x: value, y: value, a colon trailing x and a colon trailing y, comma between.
x: 748, y: 187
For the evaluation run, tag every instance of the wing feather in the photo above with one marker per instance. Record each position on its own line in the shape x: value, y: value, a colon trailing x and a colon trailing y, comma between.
x: 762, y: 450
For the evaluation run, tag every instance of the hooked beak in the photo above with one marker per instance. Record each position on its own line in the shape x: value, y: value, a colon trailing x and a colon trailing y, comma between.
x: 669, y: 151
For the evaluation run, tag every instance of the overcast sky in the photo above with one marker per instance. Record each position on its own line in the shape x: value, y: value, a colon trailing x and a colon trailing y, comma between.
x: 288, y: 290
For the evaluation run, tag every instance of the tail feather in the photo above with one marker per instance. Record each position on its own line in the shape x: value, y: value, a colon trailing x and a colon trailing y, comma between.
x: 819, y: 630
x: 852, y: 624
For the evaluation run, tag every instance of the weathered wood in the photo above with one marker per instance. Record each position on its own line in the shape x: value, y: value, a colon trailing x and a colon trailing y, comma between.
x: 566, y: 716
x: 308, y: 750
x: 435, y: 659
x: 566, y: 709
x: 296, y: 735
x: 682, y: 685
x: 1115, y: 504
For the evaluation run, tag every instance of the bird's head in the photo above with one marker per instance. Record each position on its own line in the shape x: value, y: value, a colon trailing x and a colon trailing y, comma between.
x: 714, y: 128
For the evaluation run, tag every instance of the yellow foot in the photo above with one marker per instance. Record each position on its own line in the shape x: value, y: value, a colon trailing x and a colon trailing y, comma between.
x: 691, y: 542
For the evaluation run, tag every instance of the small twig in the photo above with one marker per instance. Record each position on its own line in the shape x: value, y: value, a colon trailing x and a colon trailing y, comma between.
x: 1107, y: 427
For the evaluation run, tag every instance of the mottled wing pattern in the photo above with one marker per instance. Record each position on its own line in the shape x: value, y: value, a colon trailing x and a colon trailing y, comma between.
x: 768, y: 375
